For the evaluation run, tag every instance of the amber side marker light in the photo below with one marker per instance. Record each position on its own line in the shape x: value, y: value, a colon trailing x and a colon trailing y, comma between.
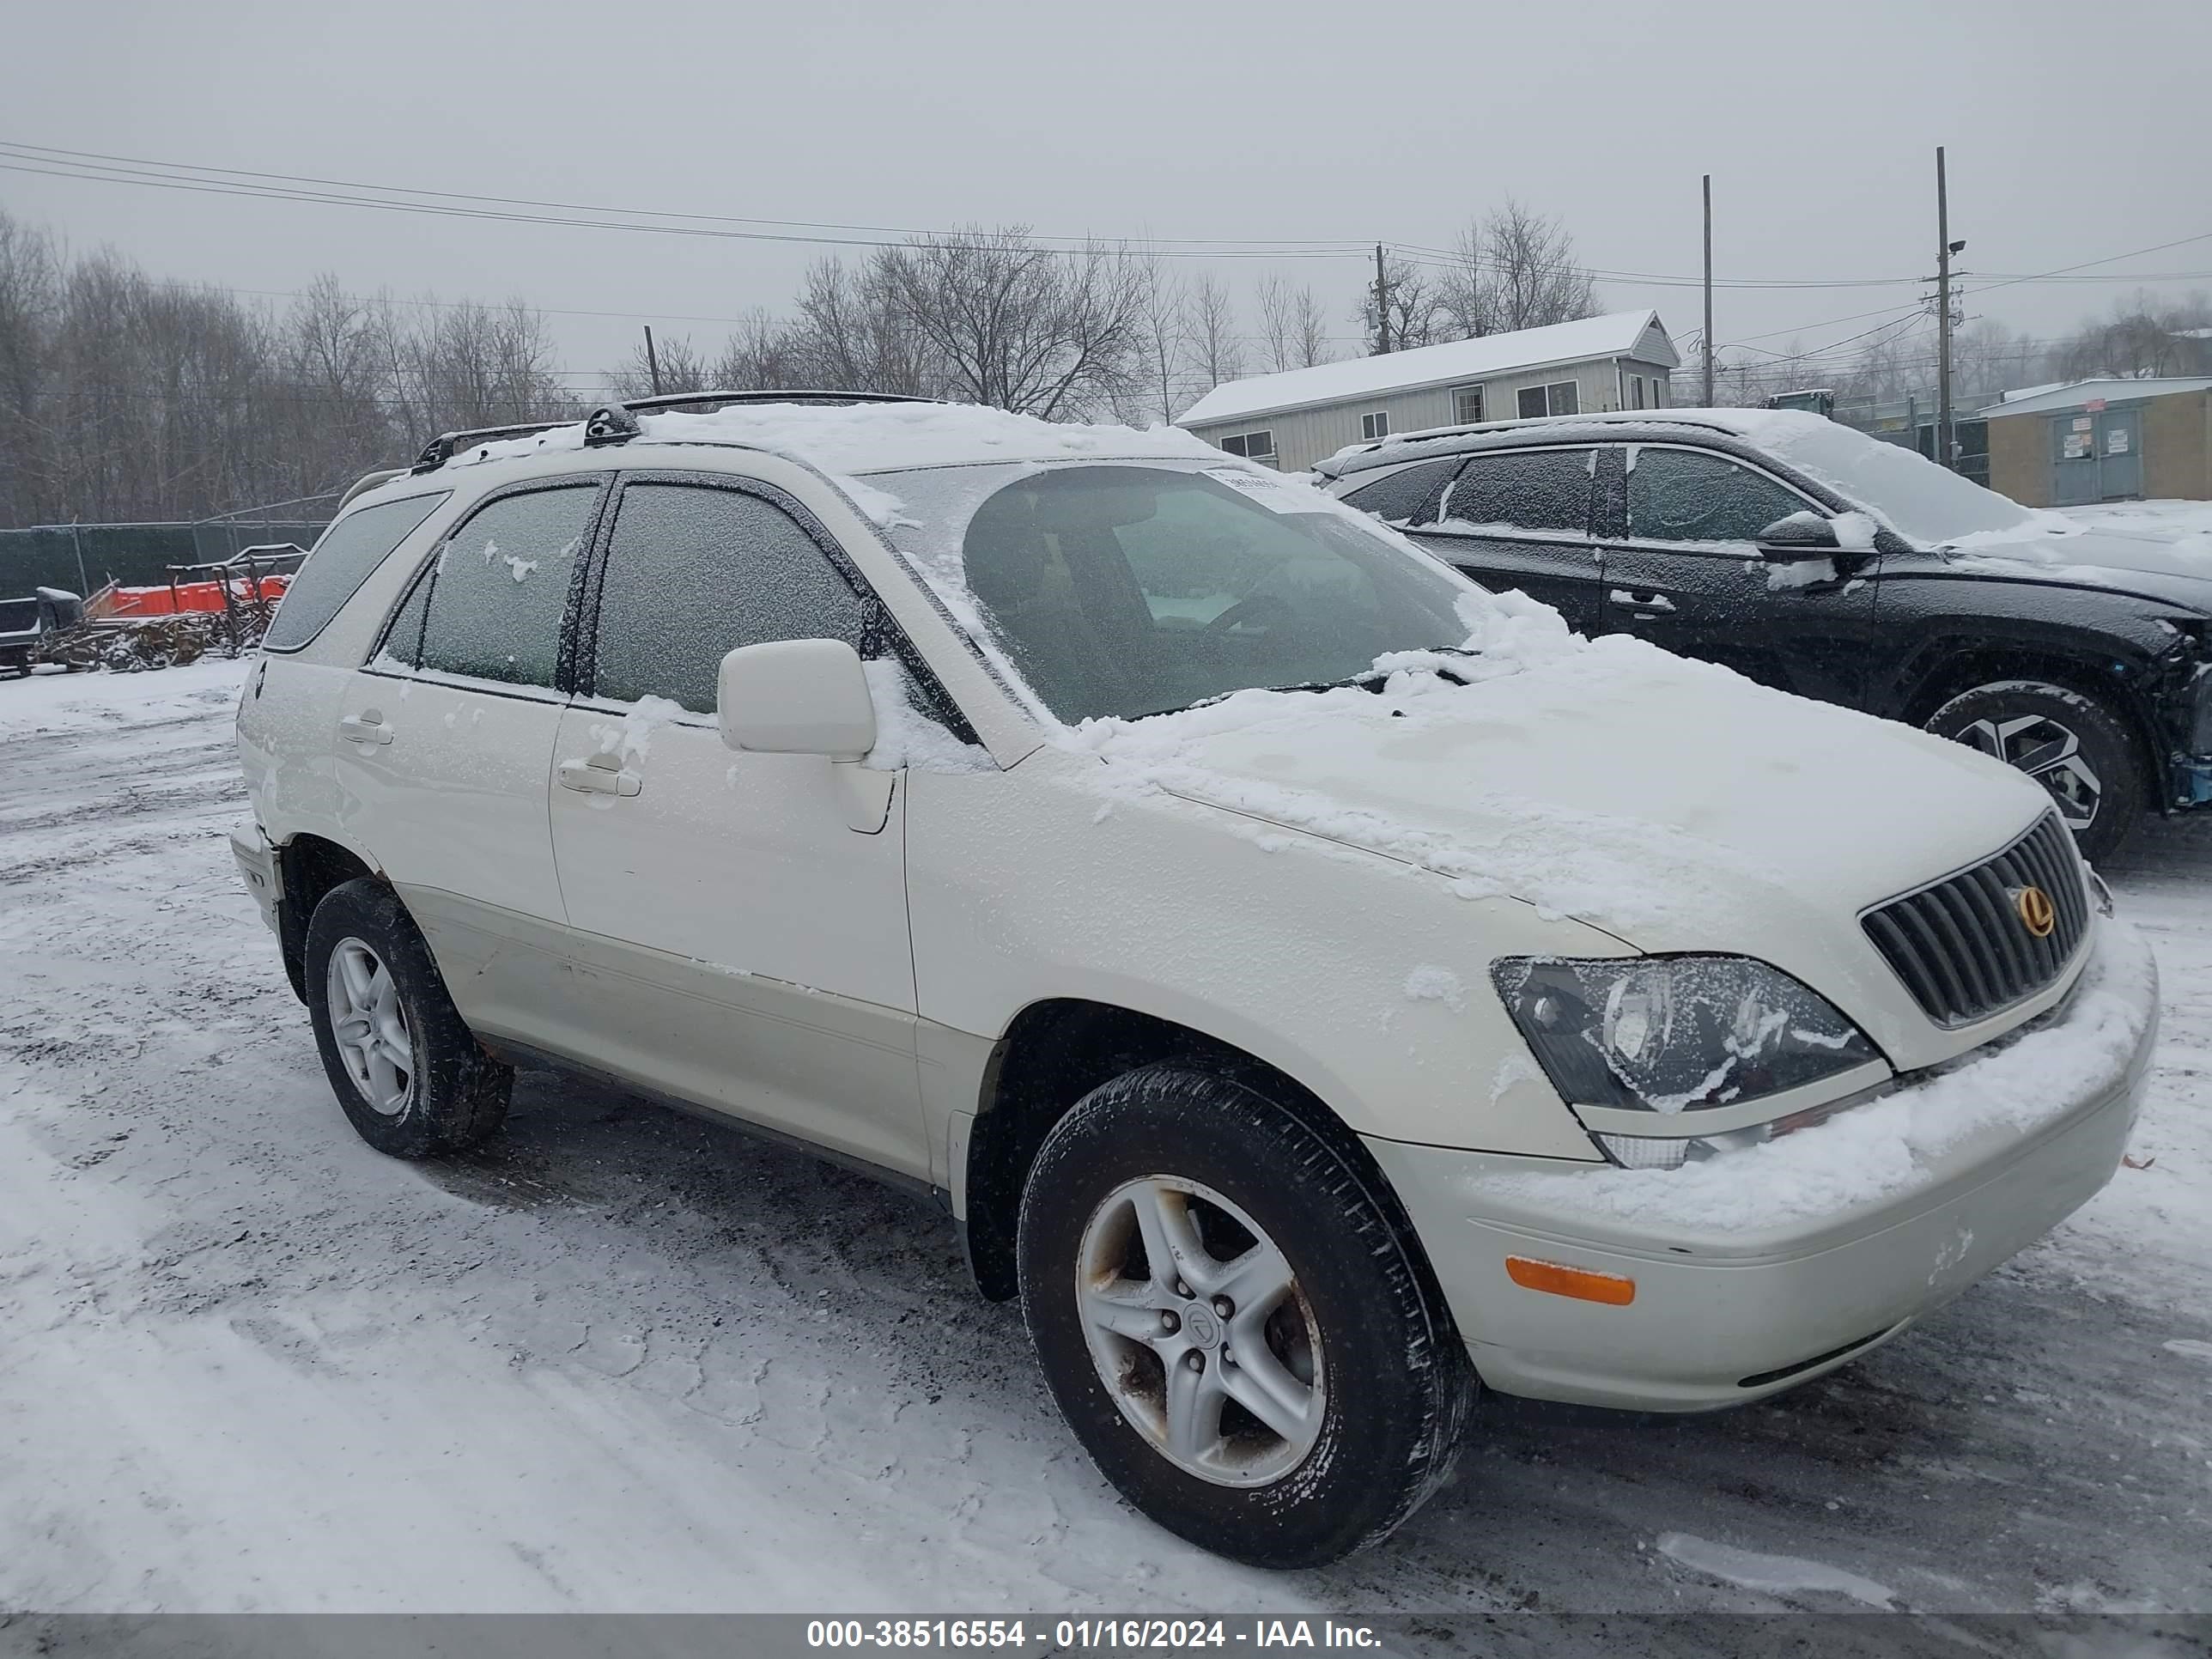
x: 1578, y: 1282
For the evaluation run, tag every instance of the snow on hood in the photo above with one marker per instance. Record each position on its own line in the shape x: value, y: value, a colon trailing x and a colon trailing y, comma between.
x: 1670, y: 802
x: 2058, y: 547
x: 849, y: 439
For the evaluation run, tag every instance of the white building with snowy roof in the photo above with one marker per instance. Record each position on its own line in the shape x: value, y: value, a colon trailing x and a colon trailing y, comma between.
x: 1292, y: 420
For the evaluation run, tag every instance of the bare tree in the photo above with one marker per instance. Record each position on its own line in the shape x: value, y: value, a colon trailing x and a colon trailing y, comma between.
x: 1293, y: 325
x: 851, y: 335
x: 1164, y: 343
x: 2143, y: 337
x: 1514, y: 269
x: 29, y: 300
x: 761, y: 355
x: 1019, y: 327
x: 682, y: 369
x: 1210, y: 325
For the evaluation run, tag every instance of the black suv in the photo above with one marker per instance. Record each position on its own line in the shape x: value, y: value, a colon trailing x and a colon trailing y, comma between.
x: 1812, y: 557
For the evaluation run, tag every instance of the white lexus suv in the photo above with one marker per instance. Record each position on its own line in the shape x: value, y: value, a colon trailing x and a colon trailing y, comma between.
x: 1315, y: 986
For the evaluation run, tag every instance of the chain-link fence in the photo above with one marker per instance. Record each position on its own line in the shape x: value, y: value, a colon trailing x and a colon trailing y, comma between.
x: 85, y: 558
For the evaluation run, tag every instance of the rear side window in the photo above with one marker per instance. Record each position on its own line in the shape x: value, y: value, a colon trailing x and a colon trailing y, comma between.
x: 340, y: 563
x: 499, y: 587
x: 693, y: 573
x: 1685, y: 495
x: 1531, y: 489
x: 1409, y: 495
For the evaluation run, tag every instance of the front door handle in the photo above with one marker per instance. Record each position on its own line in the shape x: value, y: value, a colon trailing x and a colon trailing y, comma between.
x: 368, y: 726
x: 602, y: 774
x: 1630, y: 601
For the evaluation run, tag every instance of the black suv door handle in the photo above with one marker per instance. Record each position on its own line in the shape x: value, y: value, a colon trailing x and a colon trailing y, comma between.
x: 1629, y: 601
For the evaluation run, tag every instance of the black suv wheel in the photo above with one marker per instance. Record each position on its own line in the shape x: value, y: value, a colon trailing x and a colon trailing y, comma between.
x: 2075, y: 745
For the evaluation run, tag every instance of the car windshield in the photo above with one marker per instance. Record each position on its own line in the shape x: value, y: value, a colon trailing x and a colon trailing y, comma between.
x: 1135, y: 589
x: 1913, y: 494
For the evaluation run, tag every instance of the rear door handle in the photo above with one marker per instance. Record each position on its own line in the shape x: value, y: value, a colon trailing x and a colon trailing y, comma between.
x: 1629, y: 601
x: 602, y: 774
x: 368, y: 726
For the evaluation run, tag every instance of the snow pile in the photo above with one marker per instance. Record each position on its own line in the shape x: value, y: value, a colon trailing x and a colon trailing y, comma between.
x: 906, y: 736
x: 1432, y: 984
x: 631, y: 738
x: 1873, y: 1153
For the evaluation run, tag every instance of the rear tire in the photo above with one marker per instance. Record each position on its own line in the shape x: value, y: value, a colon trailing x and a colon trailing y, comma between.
x: 2078, y: 747
x: 1359, y: 1384
x: 411, y: 1077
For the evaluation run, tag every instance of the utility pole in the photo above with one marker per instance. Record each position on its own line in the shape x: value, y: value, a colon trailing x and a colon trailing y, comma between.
x: 83, y: 582
x: 1943, y: 251
x: 651, y: 360
x: 1381, y: 304
x: 1709, y: 290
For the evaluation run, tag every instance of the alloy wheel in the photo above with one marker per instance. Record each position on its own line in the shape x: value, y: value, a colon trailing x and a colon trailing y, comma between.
x: 1198, y: 1330
x: 370, y: 1027
x: 2048, y: 752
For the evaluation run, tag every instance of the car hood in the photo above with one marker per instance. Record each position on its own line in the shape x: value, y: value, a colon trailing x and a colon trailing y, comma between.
x: 2171, y: 569
x: 1674, y: 804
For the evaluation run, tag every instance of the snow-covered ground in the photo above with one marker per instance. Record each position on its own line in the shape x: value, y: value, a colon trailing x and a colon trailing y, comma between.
x: 623, y: 1360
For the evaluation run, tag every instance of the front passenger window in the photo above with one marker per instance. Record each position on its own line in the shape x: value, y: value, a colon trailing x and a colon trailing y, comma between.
x: 693, y: 573
x: 1687, y: 496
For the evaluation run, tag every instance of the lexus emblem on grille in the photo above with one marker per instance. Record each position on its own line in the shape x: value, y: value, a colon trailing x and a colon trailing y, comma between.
x: 2037, y: 914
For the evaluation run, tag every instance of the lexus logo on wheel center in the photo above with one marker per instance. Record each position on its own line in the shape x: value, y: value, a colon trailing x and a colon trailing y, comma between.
x: 2036, y: 912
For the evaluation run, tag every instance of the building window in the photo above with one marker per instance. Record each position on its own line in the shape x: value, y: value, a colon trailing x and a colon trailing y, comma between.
x: 1375, y: 425
x: 1658, y: 392
x: 1636, y: 390
x: 1252, y: 446
x: 1561, y: 398
x: 1467, y: 406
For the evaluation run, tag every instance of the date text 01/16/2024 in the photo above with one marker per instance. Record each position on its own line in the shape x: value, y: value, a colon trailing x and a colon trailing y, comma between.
x: 1073, y: 1635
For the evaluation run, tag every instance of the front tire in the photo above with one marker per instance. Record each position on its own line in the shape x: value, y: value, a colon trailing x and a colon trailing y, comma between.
x: 413, y: 1079
x: 1233, y: 1322
x: 2076, y: 746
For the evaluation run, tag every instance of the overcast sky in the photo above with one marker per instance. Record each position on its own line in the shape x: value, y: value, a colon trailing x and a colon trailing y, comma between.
x: 2076, y: 131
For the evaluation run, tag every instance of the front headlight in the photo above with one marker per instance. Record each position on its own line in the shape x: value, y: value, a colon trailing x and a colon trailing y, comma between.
x: 1675, y: 1034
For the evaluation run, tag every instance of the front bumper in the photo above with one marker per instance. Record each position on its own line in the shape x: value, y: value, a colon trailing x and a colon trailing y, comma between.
x: 1722, y: 1314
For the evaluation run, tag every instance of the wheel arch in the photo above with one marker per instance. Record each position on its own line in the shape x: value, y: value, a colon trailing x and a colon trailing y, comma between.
x: 1956, y: 667
x: 1054, y: 1052
x: 308, y: 866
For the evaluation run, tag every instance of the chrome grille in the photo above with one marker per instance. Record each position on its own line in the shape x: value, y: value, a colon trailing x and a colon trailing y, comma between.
x: 1961, y: 945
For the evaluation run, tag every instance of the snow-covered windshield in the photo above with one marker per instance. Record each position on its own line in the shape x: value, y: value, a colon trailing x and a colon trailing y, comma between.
x: 1130, y: 590
x: 1913, y: 495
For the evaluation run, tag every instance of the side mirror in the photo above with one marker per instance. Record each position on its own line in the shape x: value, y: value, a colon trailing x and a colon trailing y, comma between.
x: 796, y: 697
x: 1800, y: 536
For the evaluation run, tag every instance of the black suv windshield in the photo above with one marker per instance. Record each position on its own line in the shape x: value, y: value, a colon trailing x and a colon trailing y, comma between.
x: 1132, y: 590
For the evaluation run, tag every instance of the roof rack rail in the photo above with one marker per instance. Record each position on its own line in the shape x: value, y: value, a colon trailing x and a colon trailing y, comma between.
x: 443, y: 447
x: 604, y: 427
x: 684, y: 399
